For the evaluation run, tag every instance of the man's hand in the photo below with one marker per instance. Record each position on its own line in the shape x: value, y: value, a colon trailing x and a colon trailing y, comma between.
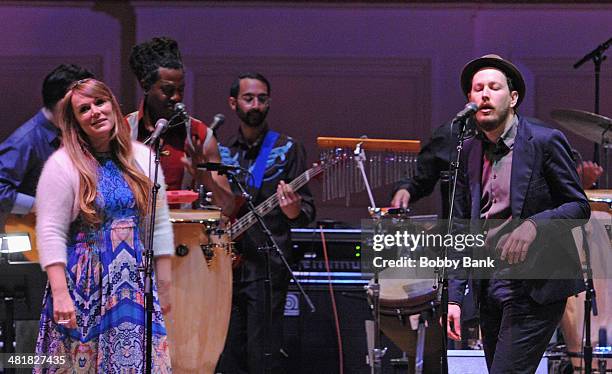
x: 194, y: 156
x: 589, y: 173
x: 290, y: 202
x: 515, y: 247
x: 454, y: 322
x: 401, y: 199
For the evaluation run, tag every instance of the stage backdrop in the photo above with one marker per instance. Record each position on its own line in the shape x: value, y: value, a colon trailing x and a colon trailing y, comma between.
x: 346, y: 69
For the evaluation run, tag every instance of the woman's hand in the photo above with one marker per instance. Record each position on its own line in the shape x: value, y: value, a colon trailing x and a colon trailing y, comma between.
x: 64, y: 312
x: 163, y: 291
x: 163, y: 273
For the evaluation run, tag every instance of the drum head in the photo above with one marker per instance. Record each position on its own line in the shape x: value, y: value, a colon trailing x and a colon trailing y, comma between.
x: 399, y: 291
x: 195, y: 216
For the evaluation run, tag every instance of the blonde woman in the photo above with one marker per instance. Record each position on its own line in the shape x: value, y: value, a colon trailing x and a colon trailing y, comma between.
x: 92, y: 202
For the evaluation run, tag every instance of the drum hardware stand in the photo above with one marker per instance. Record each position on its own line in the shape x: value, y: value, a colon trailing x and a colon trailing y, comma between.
x: 597, y: 55
x: 204, y: 198
x: 377, y: 352
x: 148, y: 259
x: 273, y: 246
x: 424, y: 316
x: 606, y: 147
x: 442, y: 273
x: 590, y: 304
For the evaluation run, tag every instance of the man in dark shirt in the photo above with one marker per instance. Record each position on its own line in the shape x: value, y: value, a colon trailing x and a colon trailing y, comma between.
x: 518, y: 179
x: 22, y: 156
x: 434, y: 160
x: 273, y: 160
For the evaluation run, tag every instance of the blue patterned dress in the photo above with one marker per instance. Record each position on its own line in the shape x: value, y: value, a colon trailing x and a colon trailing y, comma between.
x: 107, y: 289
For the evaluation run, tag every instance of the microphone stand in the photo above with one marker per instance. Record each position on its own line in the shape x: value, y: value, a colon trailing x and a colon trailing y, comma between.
x: 590, y: 298
x: 271, y: 246
x: 147, y: 268
x: 597, y: 55
x: 590, y: 304
x: 442, y: 273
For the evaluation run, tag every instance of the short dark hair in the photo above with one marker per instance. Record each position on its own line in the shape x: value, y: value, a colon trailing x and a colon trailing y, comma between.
x: 235, y: 88
x: 146, y: 59
x: 56, y: 83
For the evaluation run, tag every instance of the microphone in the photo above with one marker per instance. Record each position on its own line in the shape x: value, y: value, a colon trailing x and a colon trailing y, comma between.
x: 181, y: 115
x: 218, y: 120
x: 160, y: 127
x: 470, y: 108
x: 179, y: 108
x: 218, y: 167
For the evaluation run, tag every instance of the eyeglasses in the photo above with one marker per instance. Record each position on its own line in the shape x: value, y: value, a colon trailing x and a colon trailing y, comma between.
x: 250, y: 99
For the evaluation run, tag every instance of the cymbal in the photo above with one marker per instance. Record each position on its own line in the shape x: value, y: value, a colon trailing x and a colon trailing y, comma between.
x: 586, y: 124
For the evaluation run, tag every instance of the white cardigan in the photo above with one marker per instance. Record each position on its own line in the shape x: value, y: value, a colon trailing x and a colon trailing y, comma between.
x: 57, y: 206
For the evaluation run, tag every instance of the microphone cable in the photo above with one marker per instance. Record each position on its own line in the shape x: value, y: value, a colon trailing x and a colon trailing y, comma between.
x: 333, y: 301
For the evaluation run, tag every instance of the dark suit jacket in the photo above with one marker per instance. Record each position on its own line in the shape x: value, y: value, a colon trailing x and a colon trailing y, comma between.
x: 544, y: 187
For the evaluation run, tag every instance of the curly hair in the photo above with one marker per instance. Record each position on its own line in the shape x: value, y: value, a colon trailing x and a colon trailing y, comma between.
x: 80, y: 151
x: 146, y: 59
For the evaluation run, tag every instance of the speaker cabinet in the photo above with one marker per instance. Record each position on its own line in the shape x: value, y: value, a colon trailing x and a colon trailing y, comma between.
x: 310, y: 339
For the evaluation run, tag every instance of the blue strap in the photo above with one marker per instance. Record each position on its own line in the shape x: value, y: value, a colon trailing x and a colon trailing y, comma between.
x: 262, y: 159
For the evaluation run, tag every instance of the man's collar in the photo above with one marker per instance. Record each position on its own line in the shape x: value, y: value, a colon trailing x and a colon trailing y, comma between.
x: 509, y: 133
x: 53, y: 132
x: 47, y: 113
x: 141, y: 111
x: 241, y: 140
x: 507, y: 136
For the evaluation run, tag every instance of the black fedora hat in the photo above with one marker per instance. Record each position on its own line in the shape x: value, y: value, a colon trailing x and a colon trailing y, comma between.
x: 496, y: 62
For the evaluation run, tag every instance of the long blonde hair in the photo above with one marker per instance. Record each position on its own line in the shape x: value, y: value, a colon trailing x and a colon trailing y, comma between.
x: 80, y: 150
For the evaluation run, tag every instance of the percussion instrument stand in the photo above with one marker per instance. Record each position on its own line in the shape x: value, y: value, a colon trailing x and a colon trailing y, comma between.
x: 590, y: 304
x: 272, y: 246
x: 147, y: 268
x: 442, y: 273
x: 597, y: 55
x: 377, y: 353
x: 424, y: 316
x: 606, y: 147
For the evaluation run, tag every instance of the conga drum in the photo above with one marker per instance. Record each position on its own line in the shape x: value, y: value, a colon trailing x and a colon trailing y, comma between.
x: 401, y: 298
x: 600, y: 200
x: 600, y: 249
x: 201, y: 291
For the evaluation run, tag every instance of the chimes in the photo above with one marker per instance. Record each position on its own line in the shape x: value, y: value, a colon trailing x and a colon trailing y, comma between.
x: 387, y: 161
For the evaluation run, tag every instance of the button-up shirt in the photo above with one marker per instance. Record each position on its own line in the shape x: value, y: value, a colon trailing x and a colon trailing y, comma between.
x: 286, y: 161
x: 495, y: 206
x: 496, y: 173
x: 22, y: 156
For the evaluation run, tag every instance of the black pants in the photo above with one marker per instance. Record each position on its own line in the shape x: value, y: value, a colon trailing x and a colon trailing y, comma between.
x: 516, y: 332
x: 244, y: 346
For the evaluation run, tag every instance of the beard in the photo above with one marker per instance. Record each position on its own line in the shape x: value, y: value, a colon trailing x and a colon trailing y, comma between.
x: 490, y: 123
x: 252, y: 118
